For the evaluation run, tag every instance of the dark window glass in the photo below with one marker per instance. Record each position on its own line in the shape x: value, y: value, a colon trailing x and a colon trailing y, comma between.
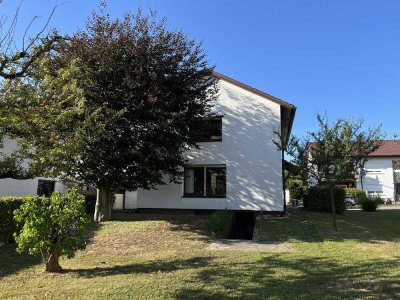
x: 45, y: 187
x: 213, y: 177
x: 215, y: 182
x: 194, y: 182
x: 211, y: 130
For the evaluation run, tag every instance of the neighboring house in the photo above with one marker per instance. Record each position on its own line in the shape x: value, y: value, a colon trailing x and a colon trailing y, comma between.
x: 238, y: 166
x: 382, y: 172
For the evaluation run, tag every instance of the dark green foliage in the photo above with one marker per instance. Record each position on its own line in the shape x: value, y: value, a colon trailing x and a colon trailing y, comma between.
x: 296, y: 188
x: 221, y: 223
x: 90, y: 203
x: 10, y: 166
x: 318, y: 199
x: 371, y: 203
x: 356, y: 194
x: 7, y: 225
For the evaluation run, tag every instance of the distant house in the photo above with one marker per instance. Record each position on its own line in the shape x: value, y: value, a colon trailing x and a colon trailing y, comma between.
x: 238, y: 166
x: 382, y: 172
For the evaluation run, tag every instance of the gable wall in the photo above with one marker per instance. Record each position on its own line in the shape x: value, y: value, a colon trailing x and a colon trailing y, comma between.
x: 379, y: 176
x: 253, y: 163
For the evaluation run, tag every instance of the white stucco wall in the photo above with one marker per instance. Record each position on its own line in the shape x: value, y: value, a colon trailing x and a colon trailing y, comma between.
x: 379, y: 176
x: 15, y: 187
x: 253, y: 163
x: 19, y: 188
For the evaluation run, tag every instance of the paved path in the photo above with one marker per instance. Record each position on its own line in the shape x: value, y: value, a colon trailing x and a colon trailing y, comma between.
x: 246, y: 245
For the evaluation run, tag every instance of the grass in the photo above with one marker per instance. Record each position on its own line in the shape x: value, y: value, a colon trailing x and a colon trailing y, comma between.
x: 165, y: 257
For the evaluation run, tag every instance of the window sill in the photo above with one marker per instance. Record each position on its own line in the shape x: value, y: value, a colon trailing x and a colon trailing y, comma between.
x: 209, y: 141
x: 203, y: 197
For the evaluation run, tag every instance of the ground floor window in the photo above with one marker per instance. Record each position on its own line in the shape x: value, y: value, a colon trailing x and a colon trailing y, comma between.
x: 205, y: 181
x: 45, y: 187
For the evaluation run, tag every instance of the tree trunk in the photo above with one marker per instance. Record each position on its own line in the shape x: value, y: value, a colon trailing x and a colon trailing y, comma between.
x: 333, y: 208
x: 52, y: 264
x: 102, y: 210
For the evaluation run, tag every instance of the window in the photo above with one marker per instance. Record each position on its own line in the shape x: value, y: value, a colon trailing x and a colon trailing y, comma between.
x: 211, y: 130
x: 205, y: 181
x: 374, y: 193
x: 45, y: 187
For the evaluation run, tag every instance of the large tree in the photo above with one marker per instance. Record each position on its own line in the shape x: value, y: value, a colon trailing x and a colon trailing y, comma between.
x: 17, y: 55
x: 115, y: 106
x: 335, y: 152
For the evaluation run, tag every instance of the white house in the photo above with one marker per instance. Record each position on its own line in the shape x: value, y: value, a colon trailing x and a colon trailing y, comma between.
x: 382, y: 172
x: 238, y: 166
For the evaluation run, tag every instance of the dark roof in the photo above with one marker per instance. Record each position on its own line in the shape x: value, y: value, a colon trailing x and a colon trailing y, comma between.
x: 288, y: 110
x: 388, y: 148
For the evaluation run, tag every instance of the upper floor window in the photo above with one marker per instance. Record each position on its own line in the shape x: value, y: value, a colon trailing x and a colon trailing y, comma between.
x: 211, y: 130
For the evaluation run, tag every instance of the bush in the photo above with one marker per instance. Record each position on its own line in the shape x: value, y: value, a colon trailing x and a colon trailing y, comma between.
x: 52, y: 226
x: 356, y: 194
x: 7, y: 225
x: 371, y: 203
x: 296, y: 189
x: 221, y: 223
x: 318, y: 199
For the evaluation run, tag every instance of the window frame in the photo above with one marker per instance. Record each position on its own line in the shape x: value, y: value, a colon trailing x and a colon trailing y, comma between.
x: 216, y: 118
x: 204, y: 167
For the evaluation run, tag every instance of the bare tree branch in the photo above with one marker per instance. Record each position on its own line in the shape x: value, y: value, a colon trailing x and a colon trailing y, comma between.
x: 16, y: 62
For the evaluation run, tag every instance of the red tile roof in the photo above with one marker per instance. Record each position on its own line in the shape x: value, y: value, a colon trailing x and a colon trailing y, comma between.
x: 388, y: 148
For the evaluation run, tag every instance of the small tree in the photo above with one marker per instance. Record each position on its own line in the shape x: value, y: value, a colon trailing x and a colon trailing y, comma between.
x: 335, y: 152
x: 52, y: 227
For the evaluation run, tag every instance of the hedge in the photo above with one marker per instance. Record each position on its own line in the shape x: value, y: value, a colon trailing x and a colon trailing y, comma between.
x: 318, y: 199
x: 7, y: 224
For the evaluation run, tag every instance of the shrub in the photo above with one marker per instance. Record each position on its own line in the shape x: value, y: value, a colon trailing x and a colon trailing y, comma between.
x: 318, y: 199
x: 221, y: 223
x: 371, y: 203
x: 356, y: 194
x: 296, y: 189
x: 7, y: 225
x: 52, y: 226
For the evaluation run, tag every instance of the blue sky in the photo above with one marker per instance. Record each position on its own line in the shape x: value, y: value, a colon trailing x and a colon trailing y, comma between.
x: 341, y: 57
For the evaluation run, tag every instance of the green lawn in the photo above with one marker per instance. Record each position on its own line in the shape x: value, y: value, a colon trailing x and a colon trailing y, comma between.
x: 150, y: 257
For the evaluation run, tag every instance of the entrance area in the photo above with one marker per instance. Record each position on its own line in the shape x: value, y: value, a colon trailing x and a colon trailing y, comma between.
x: 243, y: 225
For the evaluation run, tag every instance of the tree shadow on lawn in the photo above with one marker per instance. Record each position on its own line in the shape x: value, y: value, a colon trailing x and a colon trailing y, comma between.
x: 12, y: 262
x: 197, y: 224
x: 370, y: 227
x: 147, y: 267
x: 278, y: 277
